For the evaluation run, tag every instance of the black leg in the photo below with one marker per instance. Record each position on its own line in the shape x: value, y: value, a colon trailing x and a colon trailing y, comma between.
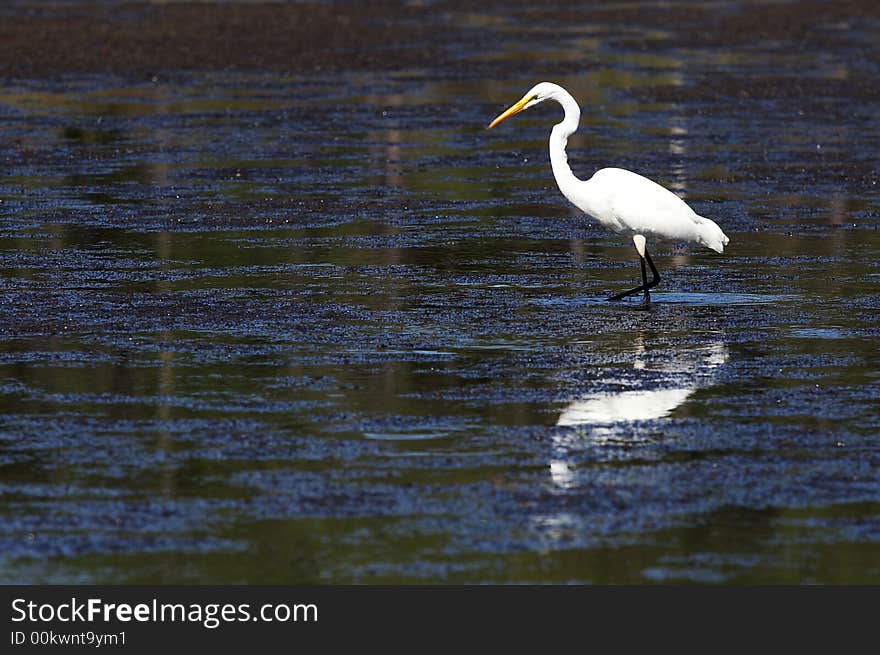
x: 655, y: 277
x: 647, y: 299
x: 645, y: 284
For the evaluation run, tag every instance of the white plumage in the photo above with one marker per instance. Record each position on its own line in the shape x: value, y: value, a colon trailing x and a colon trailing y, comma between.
x: 630, y: 204
x: 621, y: 200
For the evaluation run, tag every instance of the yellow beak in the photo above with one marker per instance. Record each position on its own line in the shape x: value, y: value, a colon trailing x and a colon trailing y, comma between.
x: 513, y: 111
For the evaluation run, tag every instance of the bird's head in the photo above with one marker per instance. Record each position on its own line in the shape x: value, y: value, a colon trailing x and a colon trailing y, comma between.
x: 538, y: 93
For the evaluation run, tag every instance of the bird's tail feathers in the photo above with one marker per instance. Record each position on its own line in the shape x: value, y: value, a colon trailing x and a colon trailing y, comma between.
x: 711, y: 235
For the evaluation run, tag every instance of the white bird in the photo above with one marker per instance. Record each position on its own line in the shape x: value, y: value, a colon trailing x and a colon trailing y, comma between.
x: 619, y: 199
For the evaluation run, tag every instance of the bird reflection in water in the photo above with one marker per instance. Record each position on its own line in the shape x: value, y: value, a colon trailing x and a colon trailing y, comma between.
x: 615, y: 416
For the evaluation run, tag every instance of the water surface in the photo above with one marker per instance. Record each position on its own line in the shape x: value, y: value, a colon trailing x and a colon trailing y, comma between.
x: 280, y: 324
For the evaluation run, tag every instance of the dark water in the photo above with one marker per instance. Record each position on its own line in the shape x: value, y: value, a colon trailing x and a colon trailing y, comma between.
x: 307, y: 328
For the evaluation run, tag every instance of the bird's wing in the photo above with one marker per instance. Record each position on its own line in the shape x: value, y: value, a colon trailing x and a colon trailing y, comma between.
x: 642, y: 206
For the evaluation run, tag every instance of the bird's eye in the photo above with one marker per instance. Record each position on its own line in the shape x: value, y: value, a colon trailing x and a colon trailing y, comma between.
x: 535, y: 97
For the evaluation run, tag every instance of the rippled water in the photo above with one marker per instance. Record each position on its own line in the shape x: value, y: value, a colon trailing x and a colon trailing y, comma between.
x: 264, y: 327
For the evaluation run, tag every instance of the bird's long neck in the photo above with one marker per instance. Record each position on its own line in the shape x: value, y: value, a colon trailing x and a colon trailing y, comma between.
x: 559, y: 139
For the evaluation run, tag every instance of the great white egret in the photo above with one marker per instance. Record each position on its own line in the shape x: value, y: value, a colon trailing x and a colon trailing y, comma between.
x: 619, y: 199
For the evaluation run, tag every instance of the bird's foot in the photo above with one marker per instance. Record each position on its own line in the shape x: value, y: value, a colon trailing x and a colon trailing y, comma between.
x: 624, y: 294
x: 627, y: 294
x: 644, y: 305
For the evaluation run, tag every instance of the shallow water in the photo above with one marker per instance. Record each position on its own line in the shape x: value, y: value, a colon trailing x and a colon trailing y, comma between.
x: 296, y: 327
